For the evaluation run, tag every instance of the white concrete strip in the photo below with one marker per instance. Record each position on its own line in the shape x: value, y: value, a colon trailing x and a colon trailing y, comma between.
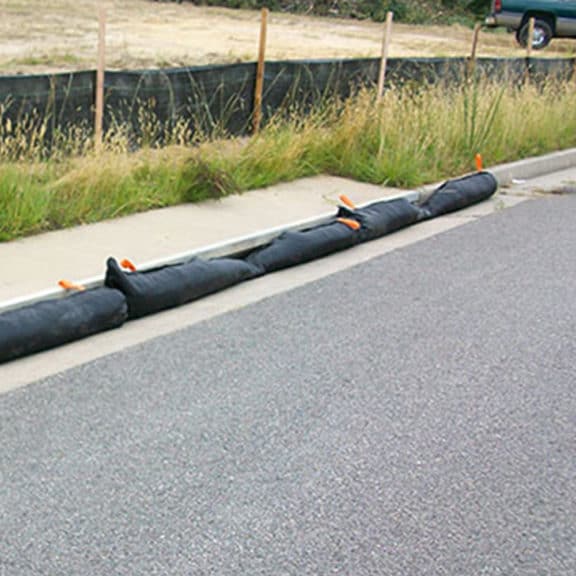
x: 530, y: 168
x: 559, y: 182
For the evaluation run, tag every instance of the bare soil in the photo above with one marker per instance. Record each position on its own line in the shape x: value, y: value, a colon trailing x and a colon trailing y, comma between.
x: 61, y: 35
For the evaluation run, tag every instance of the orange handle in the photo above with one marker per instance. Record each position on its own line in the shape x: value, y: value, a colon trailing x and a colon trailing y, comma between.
x: 67, y: 285
x: 128, y: 265
x: 479, y: 163
x: 347, y: 202
x: 350, y: 223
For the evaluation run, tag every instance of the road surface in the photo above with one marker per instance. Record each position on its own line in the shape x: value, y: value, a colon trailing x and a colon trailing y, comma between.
x: 414, y: 414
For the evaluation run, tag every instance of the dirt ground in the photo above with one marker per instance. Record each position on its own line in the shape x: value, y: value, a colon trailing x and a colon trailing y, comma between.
x: 61, y: 35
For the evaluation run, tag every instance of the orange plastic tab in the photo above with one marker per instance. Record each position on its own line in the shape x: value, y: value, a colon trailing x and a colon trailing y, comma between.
x: 347, y: 202
x: 479, y: 163
x: 67, y: 285
x: 128, y: 265
x: 350, y: 223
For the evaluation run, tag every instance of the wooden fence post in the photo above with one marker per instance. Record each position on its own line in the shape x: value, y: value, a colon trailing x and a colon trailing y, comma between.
x: 384, y: 56
x: 472, y: 60
x: 257, y: 115
x: 530, y: 37
x: 99, y: 114
x: 529, y: 48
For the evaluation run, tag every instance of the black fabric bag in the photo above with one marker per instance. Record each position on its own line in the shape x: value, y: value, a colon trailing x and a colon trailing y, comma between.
x: 292, y: 248
x: 170, y: 286
x: 457, y: 194
x: 51, y: 323
x: 382, y: 218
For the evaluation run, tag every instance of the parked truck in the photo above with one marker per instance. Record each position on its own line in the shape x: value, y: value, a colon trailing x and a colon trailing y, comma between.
x: 552, y: 19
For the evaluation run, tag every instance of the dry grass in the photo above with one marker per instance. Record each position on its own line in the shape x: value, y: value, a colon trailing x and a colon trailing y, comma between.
x: 415, y: 136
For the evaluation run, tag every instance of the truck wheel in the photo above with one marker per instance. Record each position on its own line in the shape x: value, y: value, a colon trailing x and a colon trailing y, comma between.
x: 542, y: 34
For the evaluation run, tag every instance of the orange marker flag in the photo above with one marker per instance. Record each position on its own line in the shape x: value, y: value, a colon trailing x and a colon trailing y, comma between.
x: 127, y: 264
x: 347, y: 202
x: 67, y: 285
x: 350, y: 223
x: 479, y: 164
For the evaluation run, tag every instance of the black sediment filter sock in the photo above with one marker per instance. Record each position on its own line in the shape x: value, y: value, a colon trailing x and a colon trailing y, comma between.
x: 52, y: 323
x: 170, y: 286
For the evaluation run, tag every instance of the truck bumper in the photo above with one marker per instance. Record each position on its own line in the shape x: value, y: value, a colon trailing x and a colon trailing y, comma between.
x: 510, y: 20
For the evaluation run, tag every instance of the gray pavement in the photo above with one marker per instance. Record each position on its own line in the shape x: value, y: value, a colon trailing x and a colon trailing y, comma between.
x: 414, y: 414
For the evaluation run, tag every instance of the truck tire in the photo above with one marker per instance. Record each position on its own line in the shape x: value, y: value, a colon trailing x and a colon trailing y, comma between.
x: 542, y: 34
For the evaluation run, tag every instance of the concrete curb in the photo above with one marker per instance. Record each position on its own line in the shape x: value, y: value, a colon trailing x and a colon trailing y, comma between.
x: 534, y: 167
x: 523, y: 169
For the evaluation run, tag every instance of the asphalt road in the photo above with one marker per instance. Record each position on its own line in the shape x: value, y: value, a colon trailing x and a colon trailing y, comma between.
x: 412, y: 415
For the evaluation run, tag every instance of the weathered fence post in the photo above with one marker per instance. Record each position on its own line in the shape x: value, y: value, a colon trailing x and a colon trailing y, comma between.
x: 99, y: 113
x: 472, y: 59
x: 529, y: 40
x: 257, y: 116
x: 384, y: 56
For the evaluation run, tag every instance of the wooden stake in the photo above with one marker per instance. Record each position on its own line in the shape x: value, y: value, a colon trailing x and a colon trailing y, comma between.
x: 472, y: 61
x: 384, y: 57
x: 529, y: 50
x: 99, y: 115
x: 257, y: 116
x: 530, y: 37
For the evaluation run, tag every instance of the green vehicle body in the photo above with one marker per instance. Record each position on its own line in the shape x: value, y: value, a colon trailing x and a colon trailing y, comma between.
x: 553, y: 19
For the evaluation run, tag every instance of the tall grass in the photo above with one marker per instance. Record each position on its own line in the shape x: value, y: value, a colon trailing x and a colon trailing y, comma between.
x: 414, y: 136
